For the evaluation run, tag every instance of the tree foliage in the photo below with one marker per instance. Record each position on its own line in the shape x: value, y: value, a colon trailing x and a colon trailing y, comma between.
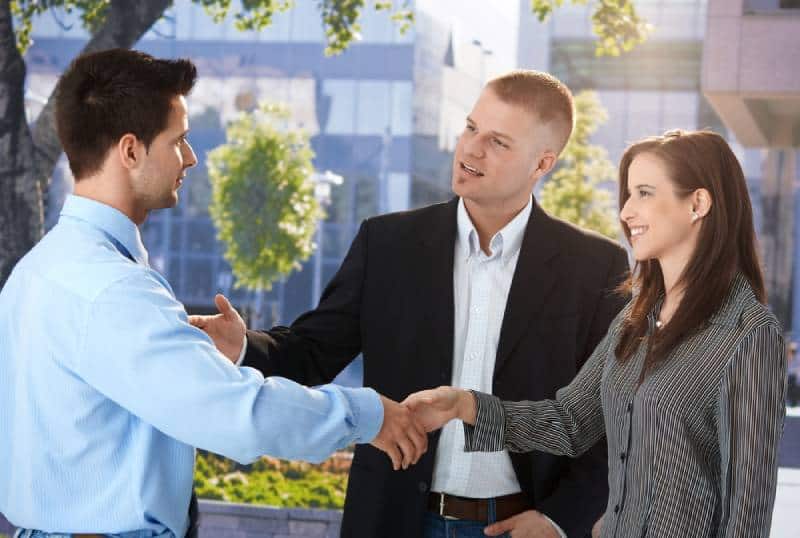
x: 616, y: 23
x: 340, y: 18
x: 575, y: 192
x: 262, y: 197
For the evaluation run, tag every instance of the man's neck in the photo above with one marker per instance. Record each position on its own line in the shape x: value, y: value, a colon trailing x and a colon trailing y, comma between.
x: 100, y: 190
x: 490, y: 220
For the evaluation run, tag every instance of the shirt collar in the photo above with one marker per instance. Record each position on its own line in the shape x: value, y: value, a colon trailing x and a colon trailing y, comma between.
x: 729, y: 312
x: 109, y: 220
x: 505, y: 243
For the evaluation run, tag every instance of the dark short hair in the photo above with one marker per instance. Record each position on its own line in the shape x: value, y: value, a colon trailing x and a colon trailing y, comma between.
x: 543, y: 95
x: 104, y: 95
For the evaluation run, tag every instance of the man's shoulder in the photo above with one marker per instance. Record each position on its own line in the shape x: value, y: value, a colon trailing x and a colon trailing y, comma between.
x: 84, y: 268
x: 394, y: 229
x: 415, y: 217
x: 582, y: 242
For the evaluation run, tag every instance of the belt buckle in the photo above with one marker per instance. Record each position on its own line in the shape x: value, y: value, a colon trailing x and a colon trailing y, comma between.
x: 441, y: 507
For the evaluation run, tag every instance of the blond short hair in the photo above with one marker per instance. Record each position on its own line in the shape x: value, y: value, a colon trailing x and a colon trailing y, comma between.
x: 541, y: 94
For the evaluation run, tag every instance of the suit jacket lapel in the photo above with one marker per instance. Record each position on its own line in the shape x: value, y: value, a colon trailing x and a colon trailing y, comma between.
x: 438, y: 248
x: 533, y: 279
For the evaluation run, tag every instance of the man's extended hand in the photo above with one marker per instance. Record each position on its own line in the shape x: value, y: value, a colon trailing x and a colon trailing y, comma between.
x: 401, y: 437
x: 528, y: 524
x: 226, y: 329
x: 436, y: 407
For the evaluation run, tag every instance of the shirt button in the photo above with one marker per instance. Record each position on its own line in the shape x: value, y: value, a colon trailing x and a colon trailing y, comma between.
x: 423, y: 487
x: 616, y: 509
x: 622, y: 456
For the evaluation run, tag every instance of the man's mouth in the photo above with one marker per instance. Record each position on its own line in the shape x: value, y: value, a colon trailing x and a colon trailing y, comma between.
x: 471, y: 170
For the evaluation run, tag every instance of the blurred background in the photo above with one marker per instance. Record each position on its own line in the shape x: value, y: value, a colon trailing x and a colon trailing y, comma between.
x: 383, y: 118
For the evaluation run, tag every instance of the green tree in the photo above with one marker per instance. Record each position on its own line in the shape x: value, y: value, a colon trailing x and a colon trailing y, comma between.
x: 575, y: 192
x: 28, y: 153
x: 262, y: 197
x: 615, y: 23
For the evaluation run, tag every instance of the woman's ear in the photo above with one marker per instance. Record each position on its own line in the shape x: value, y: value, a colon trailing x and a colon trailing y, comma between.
x: 701, y: 202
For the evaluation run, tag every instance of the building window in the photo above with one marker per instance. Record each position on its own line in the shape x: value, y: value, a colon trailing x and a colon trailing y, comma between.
x: 662, y: 65
x: 761, y: 6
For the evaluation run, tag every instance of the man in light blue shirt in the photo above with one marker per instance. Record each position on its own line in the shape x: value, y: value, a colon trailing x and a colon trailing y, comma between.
x: 105, y: 388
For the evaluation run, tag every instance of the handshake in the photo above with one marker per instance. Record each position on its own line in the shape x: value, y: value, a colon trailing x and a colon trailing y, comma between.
x: 403, y: 435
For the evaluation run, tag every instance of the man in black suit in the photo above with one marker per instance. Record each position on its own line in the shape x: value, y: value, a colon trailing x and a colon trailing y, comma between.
x: 484, y: 291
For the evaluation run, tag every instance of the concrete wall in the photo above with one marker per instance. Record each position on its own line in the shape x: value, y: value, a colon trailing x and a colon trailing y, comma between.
x: 226, y: 520
x: 749, y: 73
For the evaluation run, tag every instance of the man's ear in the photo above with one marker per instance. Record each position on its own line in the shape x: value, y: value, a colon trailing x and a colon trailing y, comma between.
x: 130, y: 151
x: 547, y: 162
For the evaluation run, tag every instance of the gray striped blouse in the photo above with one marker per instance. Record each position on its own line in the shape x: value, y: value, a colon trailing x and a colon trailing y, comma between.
x: 692, y: 452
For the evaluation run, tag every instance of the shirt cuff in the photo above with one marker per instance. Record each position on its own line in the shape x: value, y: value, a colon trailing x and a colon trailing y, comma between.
x: 367, y: 412
x: 243, y: 352
x: 488, y: 433
x: 555, y: 526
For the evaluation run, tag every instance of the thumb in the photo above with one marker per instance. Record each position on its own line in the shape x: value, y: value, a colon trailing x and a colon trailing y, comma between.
x: 224, y: 306
x: 500, y: 527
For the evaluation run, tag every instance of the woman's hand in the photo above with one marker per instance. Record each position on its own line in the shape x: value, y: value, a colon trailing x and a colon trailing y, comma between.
x: 436, y: 407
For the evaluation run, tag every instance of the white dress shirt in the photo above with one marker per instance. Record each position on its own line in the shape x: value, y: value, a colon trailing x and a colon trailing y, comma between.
x: 480, y: 289
x: 481, y: 283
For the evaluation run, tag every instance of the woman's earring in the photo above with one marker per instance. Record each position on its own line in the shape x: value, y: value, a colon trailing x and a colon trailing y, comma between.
x: 695, y: 216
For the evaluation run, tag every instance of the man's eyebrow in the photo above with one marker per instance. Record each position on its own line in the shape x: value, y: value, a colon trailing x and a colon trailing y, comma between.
x: 493, y: 133
x: 498, y: 134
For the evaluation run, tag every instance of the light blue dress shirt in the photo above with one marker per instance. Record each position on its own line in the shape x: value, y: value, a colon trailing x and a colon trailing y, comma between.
x: 105, y: 389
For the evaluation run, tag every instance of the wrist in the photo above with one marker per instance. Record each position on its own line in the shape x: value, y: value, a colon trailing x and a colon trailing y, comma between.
x: 467, y: 407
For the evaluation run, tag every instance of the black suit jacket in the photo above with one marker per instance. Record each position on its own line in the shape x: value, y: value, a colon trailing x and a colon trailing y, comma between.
x: 392, y: 300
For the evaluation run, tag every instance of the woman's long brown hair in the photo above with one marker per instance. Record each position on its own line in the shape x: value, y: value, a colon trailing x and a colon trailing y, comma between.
x: 726, y: 244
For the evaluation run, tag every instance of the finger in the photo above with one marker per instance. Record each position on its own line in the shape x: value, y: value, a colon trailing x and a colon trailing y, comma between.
x: 408, y: 450
x: 395, y: 456
x: 500, y: 527
x: 197, y: 321
x: 224, y: 306
x: 419, y: 438
x: 412, y: 403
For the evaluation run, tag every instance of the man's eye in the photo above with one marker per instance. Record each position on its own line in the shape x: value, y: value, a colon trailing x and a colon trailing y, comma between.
x: 499, y: 142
